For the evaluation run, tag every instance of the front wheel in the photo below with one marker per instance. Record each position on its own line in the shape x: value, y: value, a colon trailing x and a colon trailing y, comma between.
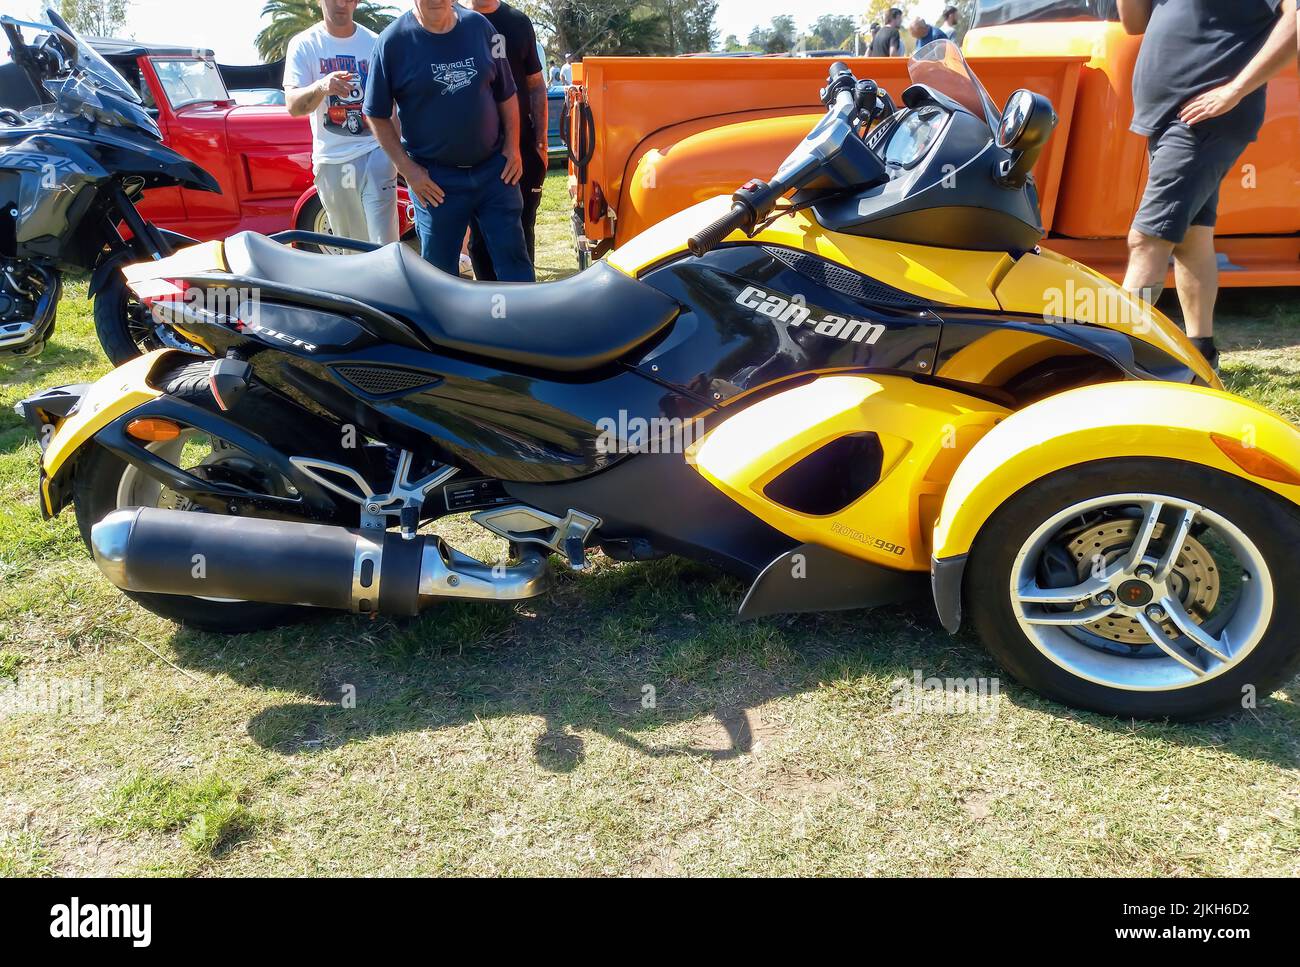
x: 125, y: 327
x: 1140, y: 587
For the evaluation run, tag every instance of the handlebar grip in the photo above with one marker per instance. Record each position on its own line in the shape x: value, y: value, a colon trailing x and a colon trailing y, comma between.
x: 708, y: 237
x: 838, y: 69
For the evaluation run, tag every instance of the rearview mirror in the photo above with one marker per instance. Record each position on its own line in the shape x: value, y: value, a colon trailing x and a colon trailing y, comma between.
x: 1027, y: 122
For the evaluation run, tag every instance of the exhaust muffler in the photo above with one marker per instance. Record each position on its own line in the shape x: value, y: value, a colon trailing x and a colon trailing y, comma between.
x: 160, y: 551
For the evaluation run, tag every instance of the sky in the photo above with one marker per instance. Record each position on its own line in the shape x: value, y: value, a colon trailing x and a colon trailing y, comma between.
x: 228, y: 26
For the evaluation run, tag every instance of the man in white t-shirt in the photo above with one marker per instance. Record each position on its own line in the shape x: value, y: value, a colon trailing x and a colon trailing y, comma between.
x: 325, y: 72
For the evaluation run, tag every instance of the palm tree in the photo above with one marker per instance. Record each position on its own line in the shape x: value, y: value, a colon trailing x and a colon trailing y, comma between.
x: 289, y: 17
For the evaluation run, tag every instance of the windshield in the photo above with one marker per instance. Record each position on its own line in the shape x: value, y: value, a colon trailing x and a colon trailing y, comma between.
x: 88, y: 72
x: 188, y: 81
x: 995, y: 13
x: 940, y: 66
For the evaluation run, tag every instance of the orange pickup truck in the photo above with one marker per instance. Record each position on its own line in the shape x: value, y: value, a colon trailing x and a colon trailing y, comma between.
x: 650, y: 136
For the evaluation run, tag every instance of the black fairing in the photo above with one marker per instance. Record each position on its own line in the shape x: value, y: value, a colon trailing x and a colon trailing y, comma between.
x: 719, y: 348
x: 500, y: 421
x: 72, y: 225
x: 948, y: 197
x: 521, y: 424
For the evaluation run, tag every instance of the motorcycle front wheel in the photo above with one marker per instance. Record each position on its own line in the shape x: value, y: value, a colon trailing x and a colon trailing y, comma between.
x: 125, y: 327
x: 1142, y: 588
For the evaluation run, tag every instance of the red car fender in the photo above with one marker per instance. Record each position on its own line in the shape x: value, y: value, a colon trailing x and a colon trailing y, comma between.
x: 405, y: 208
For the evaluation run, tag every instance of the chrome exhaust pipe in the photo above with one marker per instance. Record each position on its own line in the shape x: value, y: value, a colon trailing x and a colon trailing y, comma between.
x: 148, y: 549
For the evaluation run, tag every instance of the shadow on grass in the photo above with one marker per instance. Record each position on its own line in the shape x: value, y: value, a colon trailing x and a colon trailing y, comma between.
x: 590, y: 656
x: 23, y: 371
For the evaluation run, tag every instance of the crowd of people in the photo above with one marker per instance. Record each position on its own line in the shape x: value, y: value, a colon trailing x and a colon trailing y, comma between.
x: 454, y: 102
x: 887, y: 40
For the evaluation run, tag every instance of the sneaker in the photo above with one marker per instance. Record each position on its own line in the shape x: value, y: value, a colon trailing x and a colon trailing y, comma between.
x: 466, y: 266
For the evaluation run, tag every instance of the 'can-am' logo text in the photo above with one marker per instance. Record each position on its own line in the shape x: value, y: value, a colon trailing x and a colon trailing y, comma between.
x: 795, y: 314
x: 133, y: 921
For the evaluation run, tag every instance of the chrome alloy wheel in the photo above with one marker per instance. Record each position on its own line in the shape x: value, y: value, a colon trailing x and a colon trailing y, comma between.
x: 321, y: 226
x: 1176, y: 595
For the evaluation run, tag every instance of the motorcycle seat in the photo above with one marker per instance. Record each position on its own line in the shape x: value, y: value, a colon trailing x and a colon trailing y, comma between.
x: 580, y: 323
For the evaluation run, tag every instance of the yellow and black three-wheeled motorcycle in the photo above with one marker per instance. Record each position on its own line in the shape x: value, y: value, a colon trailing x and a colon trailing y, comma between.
x: 856, y: 382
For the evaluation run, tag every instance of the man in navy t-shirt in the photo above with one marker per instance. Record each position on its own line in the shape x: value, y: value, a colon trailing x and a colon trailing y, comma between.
x: 459, y: 144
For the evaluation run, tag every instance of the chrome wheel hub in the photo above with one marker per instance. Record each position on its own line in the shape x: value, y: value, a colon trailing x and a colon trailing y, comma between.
x: 1150, y: 607
x: 1193, y: 580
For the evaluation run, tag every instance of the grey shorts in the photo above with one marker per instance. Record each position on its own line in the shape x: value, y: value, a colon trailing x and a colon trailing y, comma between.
x: 1186, y: 167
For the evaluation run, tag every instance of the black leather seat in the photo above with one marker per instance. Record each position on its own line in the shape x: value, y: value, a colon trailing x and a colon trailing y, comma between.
x: 579, y: 323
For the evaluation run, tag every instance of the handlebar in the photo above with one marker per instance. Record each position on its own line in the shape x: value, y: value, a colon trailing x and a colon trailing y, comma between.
x: 707, y: 238
x: 849, y: 103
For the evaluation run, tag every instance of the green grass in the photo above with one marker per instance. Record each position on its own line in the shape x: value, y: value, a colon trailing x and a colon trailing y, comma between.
x: 207, y: 813
x: 522, y: 740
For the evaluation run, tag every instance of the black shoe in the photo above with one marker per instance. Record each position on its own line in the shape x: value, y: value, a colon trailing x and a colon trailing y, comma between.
x: 1205, y: 346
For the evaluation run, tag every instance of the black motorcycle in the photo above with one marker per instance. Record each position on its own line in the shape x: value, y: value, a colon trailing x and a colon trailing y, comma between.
x: 72, y: 168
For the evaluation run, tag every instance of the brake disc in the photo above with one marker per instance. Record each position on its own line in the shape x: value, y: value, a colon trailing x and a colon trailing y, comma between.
x: 1195, y: 578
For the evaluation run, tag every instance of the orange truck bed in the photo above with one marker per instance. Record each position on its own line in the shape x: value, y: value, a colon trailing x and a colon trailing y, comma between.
x: 666, y: 132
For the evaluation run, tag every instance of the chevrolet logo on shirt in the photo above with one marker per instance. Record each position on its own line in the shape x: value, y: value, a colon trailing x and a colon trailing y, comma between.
x: 455, y: 77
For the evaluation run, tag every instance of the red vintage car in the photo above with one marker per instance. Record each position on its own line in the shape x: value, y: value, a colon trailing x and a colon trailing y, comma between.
x: 258, y: 153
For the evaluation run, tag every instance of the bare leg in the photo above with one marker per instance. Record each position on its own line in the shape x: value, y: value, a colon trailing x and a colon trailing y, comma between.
x: 1196, y: 274
x: 1148, y: 262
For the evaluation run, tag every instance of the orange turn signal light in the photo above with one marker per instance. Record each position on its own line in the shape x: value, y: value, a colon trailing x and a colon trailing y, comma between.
x: 153, y: 430
x: 1256, y: 462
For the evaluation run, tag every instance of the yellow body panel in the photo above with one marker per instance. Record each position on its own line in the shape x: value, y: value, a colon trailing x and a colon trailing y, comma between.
x: 1131, y: 419
x: 1054, y: 287
x: 115, y: 393
x: 950, y: 276
x: 144, y: 278
x: 924, y: 431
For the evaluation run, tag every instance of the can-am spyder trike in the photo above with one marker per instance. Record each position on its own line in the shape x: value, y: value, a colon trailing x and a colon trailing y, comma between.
x: 896, y: 392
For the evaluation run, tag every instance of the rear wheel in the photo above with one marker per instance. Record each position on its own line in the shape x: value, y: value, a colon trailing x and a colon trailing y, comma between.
x: 1146, y: 588
x: 105, y: 483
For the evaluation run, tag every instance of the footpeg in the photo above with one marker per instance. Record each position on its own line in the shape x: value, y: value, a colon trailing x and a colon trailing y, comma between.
x: 521, y: 524
x: 575, y: 552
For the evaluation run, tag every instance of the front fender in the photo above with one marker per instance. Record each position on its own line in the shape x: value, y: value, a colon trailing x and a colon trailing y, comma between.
x: 1171, y: 421
x: 114, y: 394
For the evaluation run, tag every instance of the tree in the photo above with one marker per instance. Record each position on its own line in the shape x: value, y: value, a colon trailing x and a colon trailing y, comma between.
x: 697, y: 33
x: 629, y: 27
x: 778, y: 38
x: 95, y: 18
x: 289, y: 17
x: 830, y: 32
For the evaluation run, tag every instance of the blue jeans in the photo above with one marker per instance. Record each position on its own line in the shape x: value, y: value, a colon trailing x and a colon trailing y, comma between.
x: 476, y: 193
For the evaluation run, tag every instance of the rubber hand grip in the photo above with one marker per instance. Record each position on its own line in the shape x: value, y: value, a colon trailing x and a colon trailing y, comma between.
x: 708, y: 237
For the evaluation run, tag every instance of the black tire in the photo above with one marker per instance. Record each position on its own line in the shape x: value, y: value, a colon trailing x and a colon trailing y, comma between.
x: 119, y: 320
x: 99, y: 473
x: 1272, y: 523
x: 309, y: 220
